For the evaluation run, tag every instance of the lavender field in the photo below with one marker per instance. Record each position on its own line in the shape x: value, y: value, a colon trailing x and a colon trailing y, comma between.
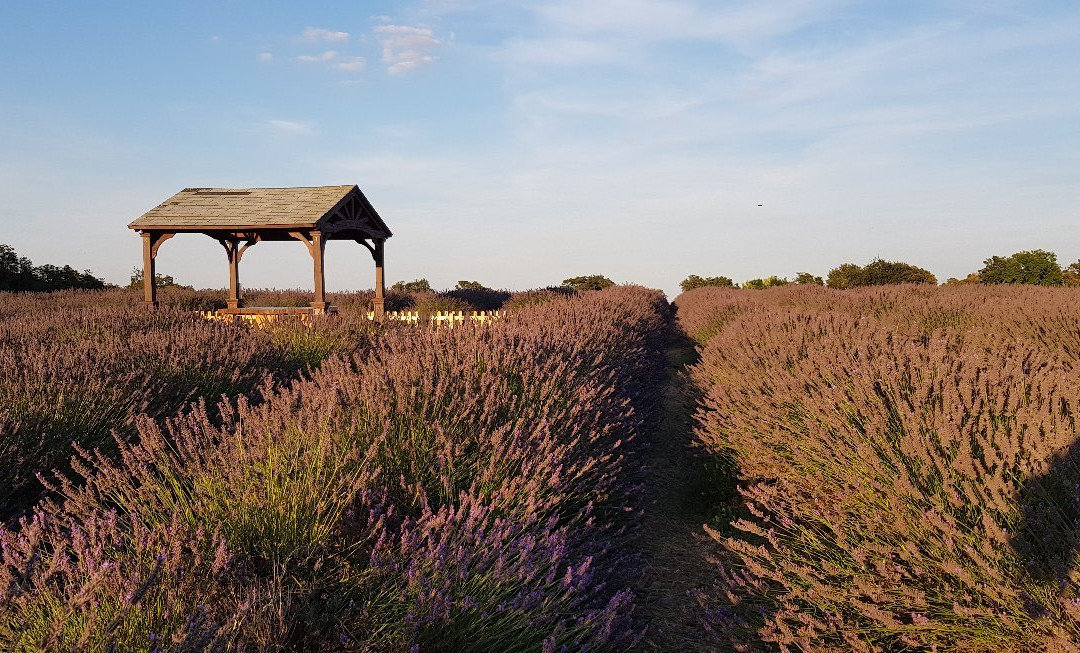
x: 907, y: 465
x: 795, y: 469
x: 431, y: 489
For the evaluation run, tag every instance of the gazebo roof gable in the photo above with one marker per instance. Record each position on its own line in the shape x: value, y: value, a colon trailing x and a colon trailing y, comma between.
x: 331, y: 209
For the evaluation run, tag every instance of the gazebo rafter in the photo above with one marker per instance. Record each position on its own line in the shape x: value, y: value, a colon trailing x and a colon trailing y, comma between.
x: 241, y: 217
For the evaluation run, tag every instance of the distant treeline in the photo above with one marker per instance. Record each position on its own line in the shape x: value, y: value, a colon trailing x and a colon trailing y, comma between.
x: 584, y: 282
x: 19, y: 274
x: 1035, y: 267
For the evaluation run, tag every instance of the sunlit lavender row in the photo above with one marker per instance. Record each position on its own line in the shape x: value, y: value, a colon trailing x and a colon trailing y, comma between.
x: 427, y: 489
x: 907, y: 462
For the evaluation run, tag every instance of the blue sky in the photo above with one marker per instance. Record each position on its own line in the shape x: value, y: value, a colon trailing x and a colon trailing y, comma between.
x: 519, y: 143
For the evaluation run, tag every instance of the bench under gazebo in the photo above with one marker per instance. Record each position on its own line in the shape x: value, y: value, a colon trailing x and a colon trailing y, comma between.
x: 241, y: 217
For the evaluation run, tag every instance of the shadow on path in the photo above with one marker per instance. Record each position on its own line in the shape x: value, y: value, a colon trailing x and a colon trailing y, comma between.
x: 684, y: 486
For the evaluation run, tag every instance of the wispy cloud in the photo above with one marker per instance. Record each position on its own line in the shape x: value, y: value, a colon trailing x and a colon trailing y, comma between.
x: 319, y: 34
x: 333, y: 59
x: 660, y: 20
x: 406, y: 48
x: 588, y: 32
x: 325, y: 57
x: 351, y: 64
x: 266, y: 57
x: 558, y: 51
x: 291, y: 127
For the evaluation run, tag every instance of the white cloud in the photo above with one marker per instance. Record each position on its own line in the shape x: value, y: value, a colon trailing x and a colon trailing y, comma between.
x: 325, y: 57
x: 266, y: 57
x: 351, y: 64
x: 661, y: 20
x: 317, y: 34
x: 560, y: 51
x: 332, y: 59
x: 627, y: 32
x: 291, y: 127
x: 406, y: 48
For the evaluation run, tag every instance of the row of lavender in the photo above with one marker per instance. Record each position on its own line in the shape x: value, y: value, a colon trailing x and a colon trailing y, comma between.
x: 908, y: 462
x: 466, y: 489
x: 76, y: 366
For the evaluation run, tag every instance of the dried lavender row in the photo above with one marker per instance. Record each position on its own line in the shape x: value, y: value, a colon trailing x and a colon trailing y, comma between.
x: 75, y: 374
x: 462, y: 489
x: 909, y: 465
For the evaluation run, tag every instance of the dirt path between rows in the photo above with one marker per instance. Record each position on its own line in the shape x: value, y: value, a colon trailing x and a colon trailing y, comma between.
x: 678, y: 499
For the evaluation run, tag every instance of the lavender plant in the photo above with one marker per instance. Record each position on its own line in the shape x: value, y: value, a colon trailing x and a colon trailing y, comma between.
x: 906, y: 466
x: 71, y: 372
x: 465, y: 489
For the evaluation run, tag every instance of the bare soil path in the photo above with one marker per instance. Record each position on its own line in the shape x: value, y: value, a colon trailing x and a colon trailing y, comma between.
x: 682, y: 491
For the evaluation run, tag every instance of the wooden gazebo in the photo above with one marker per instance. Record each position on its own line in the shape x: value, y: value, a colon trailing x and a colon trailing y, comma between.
x: 240, y: 217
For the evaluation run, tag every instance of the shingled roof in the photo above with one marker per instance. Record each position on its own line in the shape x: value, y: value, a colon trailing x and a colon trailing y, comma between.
x: 328, y: 208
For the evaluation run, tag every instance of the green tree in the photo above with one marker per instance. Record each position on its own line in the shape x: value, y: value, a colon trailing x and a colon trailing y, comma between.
x: 807, y: 279
x: 966, y: 281
x: 1071, y: 274
x: 845, y: 275
x: 470, y: 285
x: 52, y: 277
x: 1037, y: 267
x: 160, y: 280
x: 694, y: 281
x: 588, y: 282
x: 877, y: 273
x: 767, y: 282
x: 18, y: 274
x: 418, y: 285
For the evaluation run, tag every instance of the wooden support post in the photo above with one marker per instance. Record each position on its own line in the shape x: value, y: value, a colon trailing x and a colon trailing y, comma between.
x: 234, y: 278
x: 318, y: 247
x: 232, y: 252
x: 151, y: 242
x: 149, y: 278
x: 379, y: 303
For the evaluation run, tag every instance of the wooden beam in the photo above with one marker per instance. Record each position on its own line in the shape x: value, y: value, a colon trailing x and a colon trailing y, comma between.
x: 315, y: 241
x: 151, y: 242
x: 318, y: 247
x: 379, y: 303
x: 149, y: 285
x: 161, y: 237
x: 368, y: 246
x: 306, y: 239
x: 232, y: 252
x: 251, y: 240
x: 377, y: 249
